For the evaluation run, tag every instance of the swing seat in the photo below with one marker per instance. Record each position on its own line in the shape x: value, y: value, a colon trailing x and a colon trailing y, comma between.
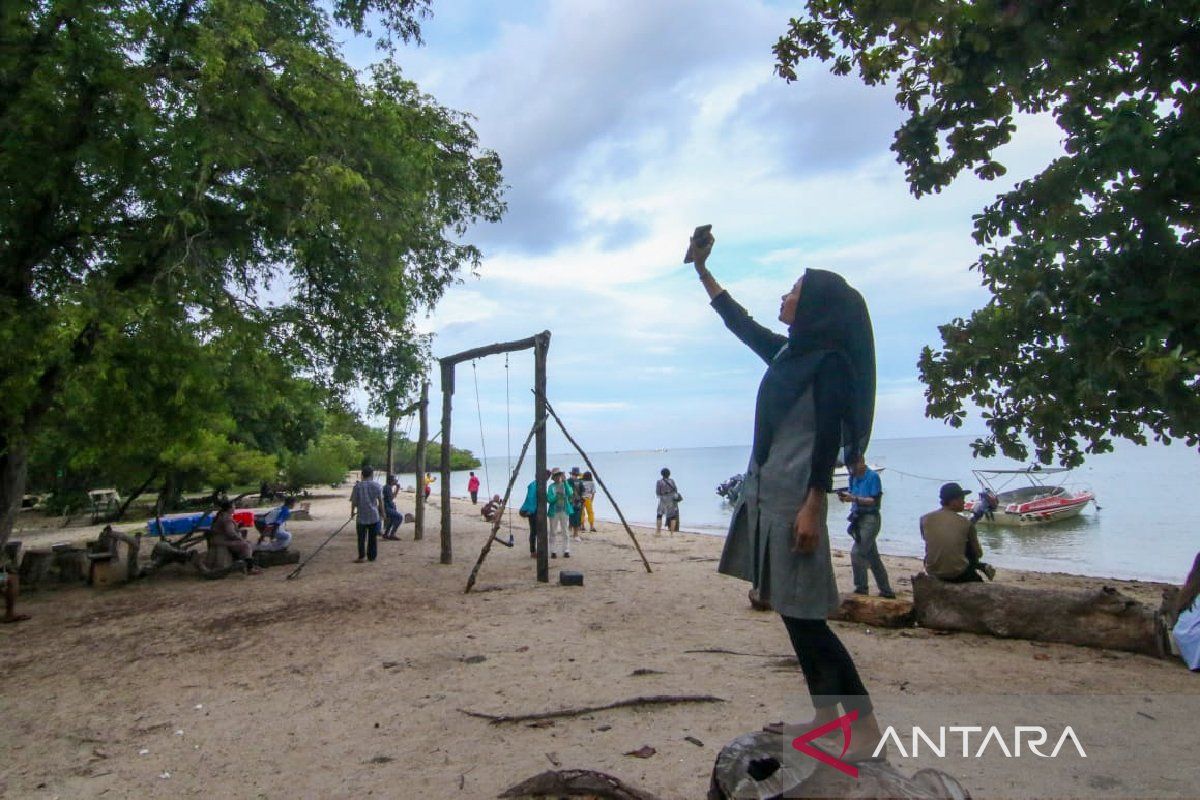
x: 570, y: 577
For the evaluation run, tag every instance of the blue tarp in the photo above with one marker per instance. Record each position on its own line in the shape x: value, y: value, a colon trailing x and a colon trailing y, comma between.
x: 178, y: 524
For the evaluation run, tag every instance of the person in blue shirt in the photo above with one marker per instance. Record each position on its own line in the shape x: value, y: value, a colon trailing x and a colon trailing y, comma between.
x: 274, y: 527
x: 866, y: 497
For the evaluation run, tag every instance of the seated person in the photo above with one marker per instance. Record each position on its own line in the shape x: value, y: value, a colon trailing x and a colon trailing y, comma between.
x: 273, y: 527
x: 952, y: 550
x: 106, y: 543
x: 1186, y: 630
x: 392, y: 515
x: 492, y: 509
x: 225, y: 532
x: 10, y: 587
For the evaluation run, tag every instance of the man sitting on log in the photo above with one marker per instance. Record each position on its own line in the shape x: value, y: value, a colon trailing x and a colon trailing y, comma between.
x: 952, y: 550
x: 273, y: 527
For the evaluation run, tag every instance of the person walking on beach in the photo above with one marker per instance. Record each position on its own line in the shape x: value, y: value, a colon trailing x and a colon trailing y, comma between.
x: 429, y: 479
x: 473, y: 488
x: 668, y: 502
x: 528, y: 510
x: 366, y: 503
x: 818, y: 394
x: 559, y: 508
x: 866, y: 498
x: 576, y: 518
x: 952, y: 550
x: 588, y: 498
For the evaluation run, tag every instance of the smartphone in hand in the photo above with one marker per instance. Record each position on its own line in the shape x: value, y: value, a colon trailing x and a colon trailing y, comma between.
x: 701, y: 236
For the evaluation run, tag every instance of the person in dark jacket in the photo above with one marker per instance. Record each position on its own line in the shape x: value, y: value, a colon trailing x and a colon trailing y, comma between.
x: 816, y: 397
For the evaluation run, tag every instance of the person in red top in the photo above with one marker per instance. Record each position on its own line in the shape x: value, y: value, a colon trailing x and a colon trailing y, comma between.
x: 473, y: 488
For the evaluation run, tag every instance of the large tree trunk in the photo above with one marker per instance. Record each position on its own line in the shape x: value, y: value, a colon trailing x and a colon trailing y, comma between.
x: 1089, y: 617
x: 14, y: 455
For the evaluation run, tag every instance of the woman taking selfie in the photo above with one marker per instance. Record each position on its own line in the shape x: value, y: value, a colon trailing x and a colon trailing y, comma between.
x: 817, y: 395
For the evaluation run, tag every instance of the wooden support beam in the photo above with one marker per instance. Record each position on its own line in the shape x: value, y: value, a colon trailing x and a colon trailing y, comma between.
x: 487, y: 546
x: 422, y: 444
x: 493, y: 349
x: 447, y: 395
x: 541, y: 345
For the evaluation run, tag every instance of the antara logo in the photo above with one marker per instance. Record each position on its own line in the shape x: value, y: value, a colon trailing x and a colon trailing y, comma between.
x: 1034, y: 737
x: 801, y: 743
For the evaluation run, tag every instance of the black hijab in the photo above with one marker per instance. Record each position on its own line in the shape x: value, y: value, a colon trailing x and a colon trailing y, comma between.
x: 832, y: 324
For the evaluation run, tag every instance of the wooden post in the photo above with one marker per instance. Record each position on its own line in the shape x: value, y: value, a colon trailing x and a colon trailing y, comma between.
x: 422, y: 443
x: 541, y: 345
x: 391, y: 438
x: 447, y: 395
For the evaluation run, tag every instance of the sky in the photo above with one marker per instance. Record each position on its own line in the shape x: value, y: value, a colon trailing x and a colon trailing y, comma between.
x: 622, y: 125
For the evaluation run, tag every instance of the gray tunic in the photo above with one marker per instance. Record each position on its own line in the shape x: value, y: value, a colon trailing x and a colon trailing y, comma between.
x: 758, y: 547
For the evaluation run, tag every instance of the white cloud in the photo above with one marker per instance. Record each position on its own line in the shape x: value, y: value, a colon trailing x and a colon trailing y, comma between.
x: 624, y: 124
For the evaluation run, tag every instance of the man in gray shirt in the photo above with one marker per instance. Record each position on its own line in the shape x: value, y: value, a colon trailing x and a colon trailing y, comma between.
x: 366, y: 502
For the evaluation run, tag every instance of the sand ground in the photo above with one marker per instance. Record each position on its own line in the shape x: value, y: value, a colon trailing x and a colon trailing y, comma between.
x: 351, y: 680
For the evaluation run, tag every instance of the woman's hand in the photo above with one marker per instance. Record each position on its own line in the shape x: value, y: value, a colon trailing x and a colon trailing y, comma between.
x: 700, y: 252
x: 810, y: 521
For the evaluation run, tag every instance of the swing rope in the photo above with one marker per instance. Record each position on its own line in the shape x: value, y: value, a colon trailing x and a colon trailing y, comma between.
x: 482, y: 442
x: 507, y: 439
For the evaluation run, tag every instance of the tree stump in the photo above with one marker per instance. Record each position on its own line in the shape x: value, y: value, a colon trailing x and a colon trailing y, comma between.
x: 35, y: 568
x: 1088, y: 617
x: 878, y: 612
x: 71, y: 563
x: 765, y: 766
x: 582, y: 783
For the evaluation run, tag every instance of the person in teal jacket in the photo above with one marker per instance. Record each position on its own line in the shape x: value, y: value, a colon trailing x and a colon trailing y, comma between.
x: 529, y: 511
x: 559, y: 497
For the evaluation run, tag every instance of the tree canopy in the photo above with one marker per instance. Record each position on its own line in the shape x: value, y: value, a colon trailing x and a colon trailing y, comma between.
x: 1093, y: 329
x: 218, y: 162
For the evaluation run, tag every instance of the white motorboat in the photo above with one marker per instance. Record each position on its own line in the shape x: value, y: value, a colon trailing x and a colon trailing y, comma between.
x: 1039, y: 502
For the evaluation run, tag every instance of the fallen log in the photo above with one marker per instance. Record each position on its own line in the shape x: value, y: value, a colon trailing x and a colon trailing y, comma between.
x: 1088, y: 617
x: 765, y: 765
x: 658, y: 699
x: 575, y: 783
x: 878, y: 612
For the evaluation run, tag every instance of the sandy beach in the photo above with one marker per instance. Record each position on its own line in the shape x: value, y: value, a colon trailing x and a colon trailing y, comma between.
x: 352, y: 680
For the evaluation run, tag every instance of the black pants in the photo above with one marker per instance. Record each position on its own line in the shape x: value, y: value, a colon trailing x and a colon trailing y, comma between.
x: 532, y: 534
x: 828, y: 669
x: 475, y: 496
x: 368, y: 534
x: 968, y: 575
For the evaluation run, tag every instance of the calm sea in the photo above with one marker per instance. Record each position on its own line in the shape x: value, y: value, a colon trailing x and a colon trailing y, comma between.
x: 1142, y: 527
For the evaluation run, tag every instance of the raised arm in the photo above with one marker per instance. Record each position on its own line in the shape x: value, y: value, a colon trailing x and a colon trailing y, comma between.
x: 763, y: 341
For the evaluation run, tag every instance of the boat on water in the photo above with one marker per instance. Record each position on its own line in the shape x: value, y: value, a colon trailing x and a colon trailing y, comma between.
x: 1039, y: 501
x: 731, y: 488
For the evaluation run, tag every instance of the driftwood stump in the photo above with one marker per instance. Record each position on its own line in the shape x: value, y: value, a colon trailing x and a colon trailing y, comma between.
x: 1088, y: 617
x: 276, y: 558
x: 878, y: 612
x: 764, y: 766
x: 581, y: 783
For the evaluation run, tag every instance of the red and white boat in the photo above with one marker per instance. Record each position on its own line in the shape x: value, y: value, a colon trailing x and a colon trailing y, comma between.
x: 1038, y: 503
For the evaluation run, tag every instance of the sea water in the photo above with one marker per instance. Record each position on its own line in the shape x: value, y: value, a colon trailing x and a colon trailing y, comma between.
x: 1142, y: 525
